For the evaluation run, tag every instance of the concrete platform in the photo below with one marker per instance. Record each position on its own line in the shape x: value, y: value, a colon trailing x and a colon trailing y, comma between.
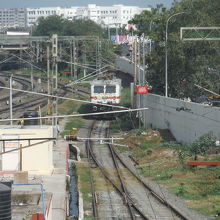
x: 56, y: 183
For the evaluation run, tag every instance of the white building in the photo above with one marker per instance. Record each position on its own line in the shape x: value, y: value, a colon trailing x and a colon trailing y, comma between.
x: 14, y: 17
x: 33, y: 14
x: 37, y: 159
x: 108, y: 16
x: 112, y: 16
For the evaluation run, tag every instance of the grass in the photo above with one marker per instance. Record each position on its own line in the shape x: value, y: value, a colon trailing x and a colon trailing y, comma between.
x: 126, y: 97
x: 68, y: 107
x: 75, y: 122
x: 84, y: 182
x: 199, y: 186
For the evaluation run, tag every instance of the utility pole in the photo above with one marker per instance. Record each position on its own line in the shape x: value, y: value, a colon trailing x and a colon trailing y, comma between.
x: 139, y: 76
x: 84, y: 59
x: 71, y: 60
x: 98, y: 54
x: 32, y: 78
x: 38, y: 52
x: 139, y: 60
x: 49, y: 110
x: 135, y: 61
x: 74, y: 60
x: 143, y: 61
x: 55, y: 76
x: 109, y: 33
x: 10, y: 101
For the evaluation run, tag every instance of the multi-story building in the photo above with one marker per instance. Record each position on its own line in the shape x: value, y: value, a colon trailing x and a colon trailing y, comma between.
x: 108, y: 16
x: 33, y: 14
x: 14, y: 17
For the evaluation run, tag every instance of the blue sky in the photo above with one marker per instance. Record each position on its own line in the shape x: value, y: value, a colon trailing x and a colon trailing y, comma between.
x: 67, y: 3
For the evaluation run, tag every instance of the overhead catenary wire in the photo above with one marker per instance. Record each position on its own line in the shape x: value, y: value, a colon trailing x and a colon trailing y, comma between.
x: 85, y: 77
x: 77, y: 64
x: 6, y: 59
x: 25, y: 61
x: 75, y: 115
x: 59, y: 97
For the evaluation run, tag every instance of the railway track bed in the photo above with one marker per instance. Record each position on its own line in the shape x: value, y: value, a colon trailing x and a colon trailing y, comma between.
x: 135, y: 198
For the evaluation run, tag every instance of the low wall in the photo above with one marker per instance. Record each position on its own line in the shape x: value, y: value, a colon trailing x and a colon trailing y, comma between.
x: 186, y: 120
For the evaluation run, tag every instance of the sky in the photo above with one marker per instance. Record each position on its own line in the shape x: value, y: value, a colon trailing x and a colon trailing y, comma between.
x: 68, y: 3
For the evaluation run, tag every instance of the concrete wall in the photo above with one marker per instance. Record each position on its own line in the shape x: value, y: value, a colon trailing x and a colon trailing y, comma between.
x: 186, y: 120
x: 126, y: 66
x: 37, y: 159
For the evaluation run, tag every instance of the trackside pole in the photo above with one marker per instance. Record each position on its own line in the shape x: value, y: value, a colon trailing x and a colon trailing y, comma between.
x: 11, y: 116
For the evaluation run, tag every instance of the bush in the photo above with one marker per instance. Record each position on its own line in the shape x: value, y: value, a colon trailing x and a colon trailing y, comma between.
x: 202, y: 145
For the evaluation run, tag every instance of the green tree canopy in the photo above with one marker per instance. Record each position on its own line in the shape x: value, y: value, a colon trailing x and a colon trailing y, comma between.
x: 57, y: 25
x: 189, y: 62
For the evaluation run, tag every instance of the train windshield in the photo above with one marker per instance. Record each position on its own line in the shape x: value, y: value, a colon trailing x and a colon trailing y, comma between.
x: 110, y: 89
x: 98, y: 89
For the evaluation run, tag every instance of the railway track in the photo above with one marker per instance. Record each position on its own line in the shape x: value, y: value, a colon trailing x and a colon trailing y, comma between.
x: 150, y: 205
x: 25, y: 84
x: 25, y: 103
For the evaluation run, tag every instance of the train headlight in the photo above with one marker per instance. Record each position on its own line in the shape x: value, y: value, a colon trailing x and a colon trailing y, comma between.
x: 95, y: 108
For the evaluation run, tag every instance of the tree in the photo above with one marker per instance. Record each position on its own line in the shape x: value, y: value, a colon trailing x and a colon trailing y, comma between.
x: 50, y: 25
x: 188, y: 62
x: 57, y: 25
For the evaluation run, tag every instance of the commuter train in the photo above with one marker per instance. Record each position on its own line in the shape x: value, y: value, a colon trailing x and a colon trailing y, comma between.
x: 105, y: 90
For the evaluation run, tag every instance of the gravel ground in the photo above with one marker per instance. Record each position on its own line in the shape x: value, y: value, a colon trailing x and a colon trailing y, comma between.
x: 111, y: 205
x: 175, y: 201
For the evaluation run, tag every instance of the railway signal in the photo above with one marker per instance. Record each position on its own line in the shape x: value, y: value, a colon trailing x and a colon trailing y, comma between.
x: 142, y: 89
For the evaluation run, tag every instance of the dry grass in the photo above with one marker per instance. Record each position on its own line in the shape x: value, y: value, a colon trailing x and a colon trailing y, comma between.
x: 199, y: 186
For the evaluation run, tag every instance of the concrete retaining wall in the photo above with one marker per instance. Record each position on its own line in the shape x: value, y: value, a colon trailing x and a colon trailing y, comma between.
x: 126, y: 66
x: 187, y: 121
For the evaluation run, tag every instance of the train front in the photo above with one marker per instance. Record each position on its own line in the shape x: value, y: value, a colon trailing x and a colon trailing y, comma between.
x: 105, y: 92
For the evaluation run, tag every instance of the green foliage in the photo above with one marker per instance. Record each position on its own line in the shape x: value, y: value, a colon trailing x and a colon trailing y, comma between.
x: 181, y: 150
x: 202, y: 145
x: 126, y: 97
x: 27, y: 215
x: 125, y: 122
x: 118, y: 49
x: 72, y: 123
x: 189, y: 62
x: 181, y: 189
x: 164, y: 176
x: 198, y: 147
x: 55, y: 24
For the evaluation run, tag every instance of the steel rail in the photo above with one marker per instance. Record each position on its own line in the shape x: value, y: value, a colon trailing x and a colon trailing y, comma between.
x: 126, y: 195
x: 94, y: 198
x: 153, y: 193
x: 106, y: 175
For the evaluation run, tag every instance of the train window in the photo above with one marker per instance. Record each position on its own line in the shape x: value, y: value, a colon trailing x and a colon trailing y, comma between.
x: 110, y: 89
x: 98, y: 89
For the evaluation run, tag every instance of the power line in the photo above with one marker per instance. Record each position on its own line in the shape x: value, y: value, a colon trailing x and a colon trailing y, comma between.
x: 75, y: 115
x: 59, y: 97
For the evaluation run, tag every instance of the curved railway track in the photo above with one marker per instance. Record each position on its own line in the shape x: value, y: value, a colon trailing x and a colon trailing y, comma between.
x: 155, y: 206
x: 25, y: 83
